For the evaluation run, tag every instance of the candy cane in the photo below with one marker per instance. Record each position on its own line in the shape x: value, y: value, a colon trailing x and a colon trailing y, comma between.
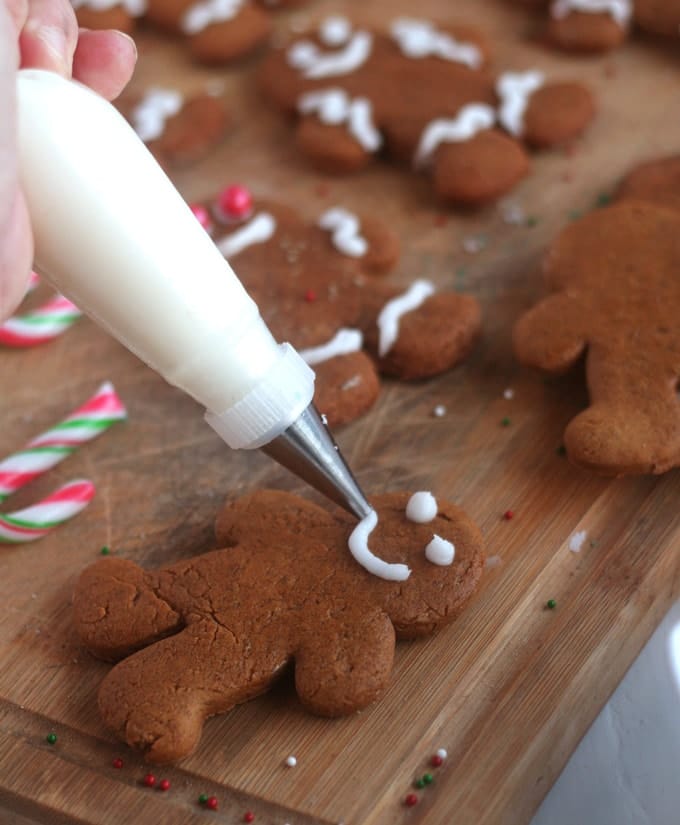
x: 40, y: 454
x: 41, y: 325
x: 37, y: 521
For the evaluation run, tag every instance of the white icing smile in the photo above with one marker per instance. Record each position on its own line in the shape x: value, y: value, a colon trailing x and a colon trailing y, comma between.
x: 419, y: 38
x: 334, y: 107
x: 151, y: 113
x: 344, y: 342
x: 620, y: 10
x: 207, y: 13
x: 313, y: 62
x: 345, y: 227
x: 391, y: 313
x: 515, y: 90
x: 258, y: 230
x: 472, y: 118
x: 358, y: 547
x: 421, y: 507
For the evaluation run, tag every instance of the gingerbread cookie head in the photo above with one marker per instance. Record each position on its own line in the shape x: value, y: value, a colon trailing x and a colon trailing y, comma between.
x: 422, y: 94
x: 218, y: 629
x: 658, y: 16
x: 177, y: 128
x: 616, y: 294
x: 318, y: 287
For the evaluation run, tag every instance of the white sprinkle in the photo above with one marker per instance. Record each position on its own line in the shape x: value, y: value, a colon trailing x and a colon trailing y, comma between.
x: 474, y: 244
x: 440, y: 551
x: 442, y: 753
x: 421, y: 507
x: 508, y: 394
x: 439, y: 411
x: 513, y: 213
x: 493, y: 561
x: 576, y: 541
x: 351, y: 383
x: 291, y: 761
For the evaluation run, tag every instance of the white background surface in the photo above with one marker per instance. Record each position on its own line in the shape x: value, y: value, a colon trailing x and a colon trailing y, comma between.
x: 626, y: 771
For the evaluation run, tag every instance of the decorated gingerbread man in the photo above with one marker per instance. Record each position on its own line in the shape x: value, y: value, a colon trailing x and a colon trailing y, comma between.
x: 616, y: 298
x: 318, y: 287
x: 601, y: 25
x: 294, y: 584
x: 424, y: 95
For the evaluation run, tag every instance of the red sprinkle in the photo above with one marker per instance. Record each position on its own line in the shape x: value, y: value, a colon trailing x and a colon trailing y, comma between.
x: 322, y: 189
x: 570, y: 150
x: 211, y: 803
x: 411, y: 800
x: 436, y: 761
x: 441, y: 220
x: 310, y: 296
x: 508, y: 515
x: 235, y: 201
x: 117, y: 763
x: 149, y: 780
x: 164, y: 785
x: 201, y: 213
x: 249, y: 816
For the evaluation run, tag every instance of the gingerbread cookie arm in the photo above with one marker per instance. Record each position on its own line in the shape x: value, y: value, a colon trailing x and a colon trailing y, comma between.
x: 116, y: 610
x: 158, y: 699
x: 348, y: 666
x: 550, y: 335
x: 331, y: 149
x: 346, y: 387
x: 556, y: 113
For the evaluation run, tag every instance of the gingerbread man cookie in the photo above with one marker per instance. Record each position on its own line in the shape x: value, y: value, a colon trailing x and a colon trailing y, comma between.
x: 601, y: 25
x: 616, y: 299
x: 177, y: 128
x: 294, y: 584
x: 317, y: 286
x: 216, y: 31
x: 423, y: 95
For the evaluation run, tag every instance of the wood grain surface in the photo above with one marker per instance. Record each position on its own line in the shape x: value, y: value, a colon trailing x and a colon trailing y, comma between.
x: 511, y: 687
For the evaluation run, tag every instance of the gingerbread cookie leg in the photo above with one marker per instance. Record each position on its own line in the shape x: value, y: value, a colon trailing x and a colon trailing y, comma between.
x: 632, y: 424
x: 550, y: 336
x: 347, y: 667
x: 158, y: 699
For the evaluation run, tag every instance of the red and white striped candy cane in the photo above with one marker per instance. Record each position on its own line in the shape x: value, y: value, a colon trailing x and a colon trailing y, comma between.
x: 47, y: 322
x: 37, y: 521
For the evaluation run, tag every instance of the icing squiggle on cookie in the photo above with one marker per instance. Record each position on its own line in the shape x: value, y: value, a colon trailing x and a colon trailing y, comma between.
x: 472, y: 118
x: 515, y: 90
x: 358, y: 547
x: 391, y: 313
x: 151, y: 113
x: 258, y: 230
x: 620, y: 10
x: 440, y: 551
x: 135, y: 8
x: 334, y: 107
x: 345, y: 227
x: 344, y: 342
x: 314, y: 62
x: 419, y: 38
x: 207, y: 13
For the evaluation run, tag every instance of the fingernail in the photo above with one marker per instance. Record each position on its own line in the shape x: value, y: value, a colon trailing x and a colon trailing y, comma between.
x: 128, y: 39
x: 53, y: 39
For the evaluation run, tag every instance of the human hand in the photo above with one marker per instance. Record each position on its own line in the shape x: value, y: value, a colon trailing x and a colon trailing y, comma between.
x: 43, y: 34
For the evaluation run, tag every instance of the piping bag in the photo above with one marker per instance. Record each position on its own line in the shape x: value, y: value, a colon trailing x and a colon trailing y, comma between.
x: 113, y: 234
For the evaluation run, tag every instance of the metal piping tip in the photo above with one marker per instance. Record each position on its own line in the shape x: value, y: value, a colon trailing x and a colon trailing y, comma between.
x: 308, y: 450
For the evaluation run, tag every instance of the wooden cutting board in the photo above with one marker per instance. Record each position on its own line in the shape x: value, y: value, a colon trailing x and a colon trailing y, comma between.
x: 511, y: 687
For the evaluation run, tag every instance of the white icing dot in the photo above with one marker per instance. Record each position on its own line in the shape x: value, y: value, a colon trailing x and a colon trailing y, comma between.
x: 335, y: 31
x: 358, y: 546
x: 472, y: 118
x: 620, y: 10
x: 391, y: 313
x: 515, y: 90
x: 577, y: 540
x: 258, y: 230
x: 421, y: 507
x: 440, y: 551
x: 343, y: 342
x: 439, y: 411
x: 442, y: 753
x: 291, y: 761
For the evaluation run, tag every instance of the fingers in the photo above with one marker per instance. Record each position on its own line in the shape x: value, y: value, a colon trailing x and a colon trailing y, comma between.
x: 48, y: 37
x: 104, y: 60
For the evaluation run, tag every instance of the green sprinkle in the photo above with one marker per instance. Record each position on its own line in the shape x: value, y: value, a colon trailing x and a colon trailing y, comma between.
x: 202, y: 799
x: 561, y: 450
x: 51, y: 738
x: 551, y: 604
x: 105, y: 551
x: 419, y: 783
x: 603, y: 199
x: 428, y: 779
x: 532, y: 221
x: 505, y: 422
x: 594, y: 543
x: 575, y: 214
